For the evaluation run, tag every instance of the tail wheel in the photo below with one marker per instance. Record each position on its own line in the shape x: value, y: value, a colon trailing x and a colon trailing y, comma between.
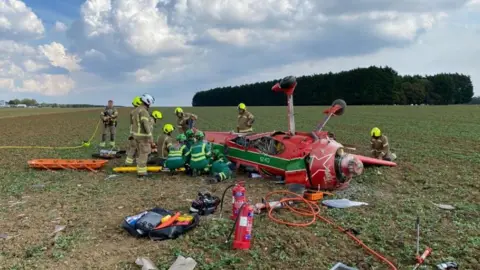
x: 288, y: 82
x: 342, y: 104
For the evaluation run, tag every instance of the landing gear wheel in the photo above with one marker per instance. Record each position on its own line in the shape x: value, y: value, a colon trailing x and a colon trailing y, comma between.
x: 288, y: 82
x: 342, y: 104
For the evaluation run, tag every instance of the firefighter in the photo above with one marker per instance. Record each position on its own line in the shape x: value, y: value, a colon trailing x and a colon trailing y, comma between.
x: 177, y: 154
x: 154, y: 116
x: 165, y: 140
x: 185, y: 120
x: 142, y: 133
x: 380, y: 146
x: 131, y: 149
x: 199, y: 155
x: 220, y: 168
x: 109, y: 118
x: 245, y: 119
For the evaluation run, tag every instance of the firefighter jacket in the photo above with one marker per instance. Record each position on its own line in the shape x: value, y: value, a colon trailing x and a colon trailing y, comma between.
x: 163, y: 143
x: 141, y: 124
x: 380, y: 145
x: 182, y: 122
x: 109, y: 115
x: 245, y: 122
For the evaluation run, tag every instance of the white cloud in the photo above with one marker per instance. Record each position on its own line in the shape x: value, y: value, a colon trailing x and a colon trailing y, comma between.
x: 33, y: 66
x: 58, y: 57
x: 18, y: 21
x: 60, y: 26
x: 48, y: 85
x: 7, y: 83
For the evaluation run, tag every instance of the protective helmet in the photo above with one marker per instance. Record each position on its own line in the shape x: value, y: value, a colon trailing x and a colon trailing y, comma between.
x: 242, y: 106
x: 181, y: 137
x: 199, y: 134
x: 178, y: 110
x: 375, y: 132
x: 189, y: 133
x: 137, y: 101
x: 147, y: 99
x: 168, y: 128
x: 157, y: 114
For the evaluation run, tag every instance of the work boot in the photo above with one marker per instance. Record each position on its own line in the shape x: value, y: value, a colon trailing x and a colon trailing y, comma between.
x: 144, y: 176
x: 102, y: 144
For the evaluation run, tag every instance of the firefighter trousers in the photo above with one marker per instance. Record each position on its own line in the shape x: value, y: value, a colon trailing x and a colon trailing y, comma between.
x: 143, y: 147
x: 109, y: 128
x: 131, y: 152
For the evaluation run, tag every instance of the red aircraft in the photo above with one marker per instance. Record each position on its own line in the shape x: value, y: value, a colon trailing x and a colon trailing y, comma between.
x: 314, y: 159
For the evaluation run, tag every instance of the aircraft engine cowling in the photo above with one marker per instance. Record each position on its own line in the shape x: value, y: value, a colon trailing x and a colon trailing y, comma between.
x: 347, y: 166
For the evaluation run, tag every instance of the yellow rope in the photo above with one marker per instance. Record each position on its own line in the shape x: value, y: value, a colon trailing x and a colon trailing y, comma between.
x: 84, y: 144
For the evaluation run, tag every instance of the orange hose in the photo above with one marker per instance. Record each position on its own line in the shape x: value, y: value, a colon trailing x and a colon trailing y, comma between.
x: 313, y: 211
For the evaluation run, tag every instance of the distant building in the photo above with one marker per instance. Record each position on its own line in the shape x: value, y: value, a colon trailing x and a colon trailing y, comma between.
x: 21, y: 105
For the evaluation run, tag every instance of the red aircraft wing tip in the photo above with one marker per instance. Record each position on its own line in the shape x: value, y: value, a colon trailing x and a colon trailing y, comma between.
x: 374, y: 161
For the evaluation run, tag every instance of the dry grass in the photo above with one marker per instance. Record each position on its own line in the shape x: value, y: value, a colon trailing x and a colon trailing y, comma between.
x: 438, y: 149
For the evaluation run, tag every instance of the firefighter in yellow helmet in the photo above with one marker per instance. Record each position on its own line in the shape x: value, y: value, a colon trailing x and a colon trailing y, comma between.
x: 380, y: 146
x: 185, y: 120
x: 154, y: 116
x: 131, y: 150
x: 142, y: 134
x: 245, y: 119
x: 165, y: 140
x: 109, y: 118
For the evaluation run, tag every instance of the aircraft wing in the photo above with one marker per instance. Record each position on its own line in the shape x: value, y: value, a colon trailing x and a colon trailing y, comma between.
x: 373, y: 161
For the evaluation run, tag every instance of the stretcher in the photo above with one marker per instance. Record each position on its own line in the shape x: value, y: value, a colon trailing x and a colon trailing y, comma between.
x: 131, y: 169
x: 73, y: 164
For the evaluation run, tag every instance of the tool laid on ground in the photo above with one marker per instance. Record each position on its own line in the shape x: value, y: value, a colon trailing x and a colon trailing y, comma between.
x: 205, y: 204
x: 109, y: 154
x: 447, y: 266
x: 426, y: 253
x: 131, y: 169
x: 73, y: 164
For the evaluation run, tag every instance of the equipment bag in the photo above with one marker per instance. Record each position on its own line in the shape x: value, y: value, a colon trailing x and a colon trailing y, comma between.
x: 145, y: 223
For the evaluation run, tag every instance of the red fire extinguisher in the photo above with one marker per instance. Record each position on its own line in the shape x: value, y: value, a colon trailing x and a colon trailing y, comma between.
x: 243, y: 227
x: 238, y: 199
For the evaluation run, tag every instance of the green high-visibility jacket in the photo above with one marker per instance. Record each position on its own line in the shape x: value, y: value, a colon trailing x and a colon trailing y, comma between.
x: 176, y: 156
x: 221, y: 168
x: 200, y: 155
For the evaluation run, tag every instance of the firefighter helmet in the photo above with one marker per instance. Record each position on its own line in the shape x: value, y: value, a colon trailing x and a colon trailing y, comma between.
x: 375, y: 132
x: 168, y: 128
x: 157, y: 114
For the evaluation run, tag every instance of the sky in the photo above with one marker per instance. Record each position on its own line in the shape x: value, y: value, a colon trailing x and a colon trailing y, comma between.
x: 77, y: 51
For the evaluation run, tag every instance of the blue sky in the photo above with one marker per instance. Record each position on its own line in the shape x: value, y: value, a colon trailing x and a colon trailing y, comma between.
x: 89, y: 51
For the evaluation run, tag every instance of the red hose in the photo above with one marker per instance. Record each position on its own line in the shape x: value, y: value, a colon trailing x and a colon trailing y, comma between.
x: 313, y: 211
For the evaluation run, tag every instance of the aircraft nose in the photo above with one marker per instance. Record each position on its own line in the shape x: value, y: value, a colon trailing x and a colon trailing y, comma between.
x: 351, y: 165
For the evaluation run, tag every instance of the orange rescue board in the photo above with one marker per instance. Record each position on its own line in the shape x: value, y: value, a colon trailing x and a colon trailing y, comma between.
x: 74, y: 164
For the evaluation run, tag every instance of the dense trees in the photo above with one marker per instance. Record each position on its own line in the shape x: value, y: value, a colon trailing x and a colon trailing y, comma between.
x: 361, y: 86
x: 26, y: 101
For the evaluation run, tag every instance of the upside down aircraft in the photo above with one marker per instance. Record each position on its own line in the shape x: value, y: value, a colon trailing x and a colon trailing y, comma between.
x: 313, y: 159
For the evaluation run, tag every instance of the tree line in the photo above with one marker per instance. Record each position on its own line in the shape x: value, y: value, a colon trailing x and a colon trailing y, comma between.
x: 33, y: 102
x: 360, y: 86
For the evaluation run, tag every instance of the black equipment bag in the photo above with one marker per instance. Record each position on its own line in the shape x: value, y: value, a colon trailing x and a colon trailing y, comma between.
x: 143, y: 224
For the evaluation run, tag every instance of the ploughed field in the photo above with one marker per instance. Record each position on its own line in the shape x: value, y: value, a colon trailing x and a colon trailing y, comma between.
x: 438, y: 149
